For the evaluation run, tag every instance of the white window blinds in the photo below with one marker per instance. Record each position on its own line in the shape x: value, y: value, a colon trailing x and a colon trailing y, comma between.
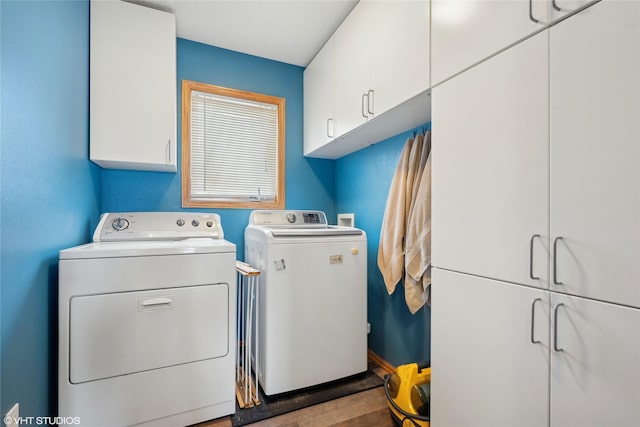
x: 234, y: 148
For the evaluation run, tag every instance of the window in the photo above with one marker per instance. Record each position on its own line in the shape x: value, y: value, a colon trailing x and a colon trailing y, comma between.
x: 232, y: 148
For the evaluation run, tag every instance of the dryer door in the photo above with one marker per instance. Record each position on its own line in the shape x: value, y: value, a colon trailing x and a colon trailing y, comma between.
x: 128, y: 332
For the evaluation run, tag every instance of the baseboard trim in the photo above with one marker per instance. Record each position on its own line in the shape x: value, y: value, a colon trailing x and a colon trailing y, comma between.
x: 386, y: 366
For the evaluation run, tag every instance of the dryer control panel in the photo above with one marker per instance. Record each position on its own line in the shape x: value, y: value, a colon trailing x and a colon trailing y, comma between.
x: 116, y: 227
x: 290, y: 218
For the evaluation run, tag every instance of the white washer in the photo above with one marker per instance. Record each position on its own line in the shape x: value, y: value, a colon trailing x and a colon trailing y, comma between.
x: 313, y: 298
x: 147, y: 322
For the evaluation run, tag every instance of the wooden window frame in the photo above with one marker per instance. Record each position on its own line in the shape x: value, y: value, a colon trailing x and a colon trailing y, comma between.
x: 187, y: 201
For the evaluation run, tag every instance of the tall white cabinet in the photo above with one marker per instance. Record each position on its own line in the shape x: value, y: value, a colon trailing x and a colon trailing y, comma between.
x: 595, y: 375
x: 487, y: 372
x: 595, y: 152
x: 506, y: 355
x: 490, y: 183
x: 536, y: 229
x: 470, y: 31
x: 133, y: 87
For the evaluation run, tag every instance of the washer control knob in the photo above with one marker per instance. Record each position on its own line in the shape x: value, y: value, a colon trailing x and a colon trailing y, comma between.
x: 180, y: 222
x: 120, y: 224
x: 209, y: 224
x: 195, y: 223
x: 291, y: 217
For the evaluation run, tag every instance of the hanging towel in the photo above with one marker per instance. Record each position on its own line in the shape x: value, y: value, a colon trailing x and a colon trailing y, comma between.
x: 390, y: 248
x: 413, y: 177
x: 418, y: 235
x: 417, y: 292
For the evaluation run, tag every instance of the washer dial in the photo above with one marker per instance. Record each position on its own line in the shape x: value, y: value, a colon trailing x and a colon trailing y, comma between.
x: 291, y: 217
x: 120, y: 224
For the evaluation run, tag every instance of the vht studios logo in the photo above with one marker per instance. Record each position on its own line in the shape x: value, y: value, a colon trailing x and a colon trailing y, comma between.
x: 41, y: 421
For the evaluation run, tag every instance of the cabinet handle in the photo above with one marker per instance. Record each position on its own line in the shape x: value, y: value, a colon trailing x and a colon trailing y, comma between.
x: 555, y: 328
x: 555, y: 6
x: 156, y: 301
x: 537, y: 21
x: 330, y: 133
x: 533, y: 318
x: 364, y: 113
x: 168, y: 151
x: 370, y: 101
x: 555, y: 261
x: 531, y: 257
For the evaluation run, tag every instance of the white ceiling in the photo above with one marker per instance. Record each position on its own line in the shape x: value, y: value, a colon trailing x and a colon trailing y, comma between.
x: 290, y: 31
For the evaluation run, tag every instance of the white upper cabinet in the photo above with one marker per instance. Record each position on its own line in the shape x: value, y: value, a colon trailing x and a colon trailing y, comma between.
x: 382, y: 59
x: 353, y: 69
x: 400, y: 54
x: 464, y: 32
x: 133, y: 87
x: 595, y: 152
x: 490, y: 167
x: 319, y: 99
x: 380, y: 65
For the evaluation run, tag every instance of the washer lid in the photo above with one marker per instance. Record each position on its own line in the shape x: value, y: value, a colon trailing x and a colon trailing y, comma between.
x: 148, y: 248
x: 328, y: 231
x: 289, y: 218
x: 297, y: 223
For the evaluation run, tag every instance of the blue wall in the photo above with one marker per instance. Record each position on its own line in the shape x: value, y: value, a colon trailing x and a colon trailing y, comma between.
x: 309, y: 182
x: 50, y: 191
x: 362, y: 184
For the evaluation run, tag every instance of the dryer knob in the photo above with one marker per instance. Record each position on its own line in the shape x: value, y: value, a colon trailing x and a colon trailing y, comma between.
x: 291, y: 218
x: 195, y: 223
x: 180, y: 222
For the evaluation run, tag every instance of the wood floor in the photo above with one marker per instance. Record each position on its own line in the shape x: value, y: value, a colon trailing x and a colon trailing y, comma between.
x: 364, y: 409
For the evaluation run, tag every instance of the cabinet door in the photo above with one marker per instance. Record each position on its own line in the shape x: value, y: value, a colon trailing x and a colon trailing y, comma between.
x: 400, y: 52
x: 353, y: 68
x: 133, y: 87
x: 490, y: 168
x: 594, y: 364
x: 487, y: 371
x: 595, y: 152
x: 467, y: 31
x: 319, y: 95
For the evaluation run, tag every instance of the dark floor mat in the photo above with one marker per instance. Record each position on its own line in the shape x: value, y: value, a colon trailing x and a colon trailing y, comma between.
x: 281, y: 404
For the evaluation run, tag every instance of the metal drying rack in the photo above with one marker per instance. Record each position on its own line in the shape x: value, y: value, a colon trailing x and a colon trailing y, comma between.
x: 247, y: 335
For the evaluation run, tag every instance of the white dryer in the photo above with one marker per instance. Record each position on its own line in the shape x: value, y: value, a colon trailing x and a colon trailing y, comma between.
x: 312, y: 306
x: 147, y: 322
